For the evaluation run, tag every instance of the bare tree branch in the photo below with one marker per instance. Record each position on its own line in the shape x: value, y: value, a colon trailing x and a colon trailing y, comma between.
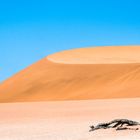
x: 117, y: 123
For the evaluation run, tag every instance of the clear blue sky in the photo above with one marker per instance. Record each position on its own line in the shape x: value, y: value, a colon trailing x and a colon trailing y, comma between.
x: 32, y: 29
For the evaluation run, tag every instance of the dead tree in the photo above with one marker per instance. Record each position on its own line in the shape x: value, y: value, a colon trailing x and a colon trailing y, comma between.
x: 117, y: 123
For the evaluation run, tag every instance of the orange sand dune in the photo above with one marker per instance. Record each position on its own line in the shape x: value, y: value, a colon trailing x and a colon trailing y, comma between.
x: 87, y: 73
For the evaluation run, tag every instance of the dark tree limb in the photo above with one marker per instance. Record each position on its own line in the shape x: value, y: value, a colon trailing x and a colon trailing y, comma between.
x: 117, y: 123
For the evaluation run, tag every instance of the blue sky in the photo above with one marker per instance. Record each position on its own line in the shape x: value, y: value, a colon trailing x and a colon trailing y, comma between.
x: 32, y: 29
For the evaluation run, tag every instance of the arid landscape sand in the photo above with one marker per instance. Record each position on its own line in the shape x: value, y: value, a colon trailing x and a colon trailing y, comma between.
x: 67, y: 120
x: 86, y: 73
x: 60, y: 96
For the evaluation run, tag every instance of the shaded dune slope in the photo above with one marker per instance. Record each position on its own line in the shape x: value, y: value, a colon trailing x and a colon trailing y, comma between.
x: 49, y: 80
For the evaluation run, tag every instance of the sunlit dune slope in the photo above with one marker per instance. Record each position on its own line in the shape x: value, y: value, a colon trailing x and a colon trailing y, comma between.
x: 86, y: 73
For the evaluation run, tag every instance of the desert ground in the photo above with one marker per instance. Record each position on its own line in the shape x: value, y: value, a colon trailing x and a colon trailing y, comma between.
x: 67, y: 120
x: 62, y: 95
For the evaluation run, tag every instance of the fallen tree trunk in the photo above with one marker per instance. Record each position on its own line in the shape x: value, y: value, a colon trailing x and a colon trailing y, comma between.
x: 117, y: 123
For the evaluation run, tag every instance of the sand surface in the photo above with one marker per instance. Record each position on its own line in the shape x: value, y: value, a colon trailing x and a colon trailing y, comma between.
x: 98, y: 55
x: 66, y: 120
x: 88, y: 73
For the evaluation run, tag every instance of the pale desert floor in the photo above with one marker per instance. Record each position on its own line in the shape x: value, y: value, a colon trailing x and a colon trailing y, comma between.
x: 67, y: 120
